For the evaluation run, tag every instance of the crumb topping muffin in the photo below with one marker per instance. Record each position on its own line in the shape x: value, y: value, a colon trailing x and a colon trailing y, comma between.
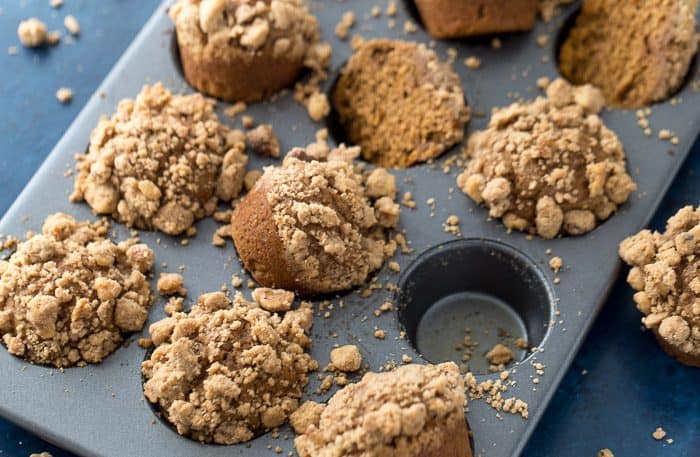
x: 246, y: 49
x: 666, y: 275
x: 548, y: 167
x: 69, y: 295
x: 228, y: 371
x: 400, y: 103
x: 416, y: 410
x: 315, y: 227
x: 637, y: 52
x: 161, y: 162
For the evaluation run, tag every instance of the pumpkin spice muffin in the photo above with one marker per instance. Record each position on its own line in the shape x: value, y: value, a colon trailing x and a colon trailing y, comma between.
x: 400, y: 103
x: 636, y: 51
x: 460, y: 18
x: 228, y: 371
x: 314, y: 226
x: 548, y: 167
x: 666, y: 275
x: 69, y: 295
x: 162, y: 162
x: 416, y: 410
x: 246, y: 50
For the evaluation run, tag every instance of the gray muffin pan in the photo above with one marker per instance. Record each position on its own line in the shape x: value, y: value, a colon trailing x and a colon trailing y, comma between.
x: 101, y: 411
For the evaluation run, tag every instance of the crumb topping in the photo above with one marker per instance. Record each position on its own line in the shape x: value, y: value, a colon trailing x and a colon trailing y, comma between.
x: 548, y: 167
x: 233, y: 29
x: 666, y: 275
x: 32, y: 32
x: 69, y: 295
x: 346, y: 358
x: 403, y: 412
x: 228, y: 370
x: 162, y: 162
x: 636, y: 52
x: 373, y: 103
x: 333, y: 234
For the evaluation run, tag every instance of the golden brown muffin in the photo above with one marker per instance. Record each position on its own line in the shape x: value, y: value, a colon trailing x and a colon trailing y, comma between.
x: 666, y: 275
x: 549, y: 166
x: 399, y: 103
x: 228, y: 371
x: 69, y: 295
x: 162, y: 162
x: 246, y: 50
x: 314, y: 227
x: 414, y: 411
x: 636, y: 51
x: 459, y: 18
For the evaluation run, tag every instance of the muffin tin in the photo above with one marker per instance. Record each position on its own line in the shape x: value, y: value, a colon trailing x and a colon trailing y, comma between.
x: 101, y: 411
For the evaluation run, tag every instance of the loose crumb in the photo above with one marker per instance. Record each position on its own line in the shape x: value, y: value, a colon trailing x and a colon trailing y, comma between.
x: 72, y: 25
x: 346, y: 358
x: 659, y: 434
x: 472, y: 62
x: 64, y: 95
x: 308, y: 414
x: 171, y: 284
x: 32, y: 32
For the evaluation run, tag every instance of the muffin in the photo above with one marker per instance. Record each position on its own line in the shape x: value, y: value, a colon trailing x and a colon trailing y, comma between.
x: 162, y: 162
x: 548, y: 167
x: 228, y: 371
x: 245, y: 50
x: 666, y: 275
x: 69, y: 295
x: 636, y: 51
x: 313, y: 226
x: 414, y: 411
x: 399, y: 103
x: 460, y: 18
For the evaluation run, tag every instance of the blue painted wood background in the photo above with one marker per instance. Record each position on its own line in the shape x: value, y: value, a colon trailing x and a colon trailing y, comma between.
x: 630, y: 387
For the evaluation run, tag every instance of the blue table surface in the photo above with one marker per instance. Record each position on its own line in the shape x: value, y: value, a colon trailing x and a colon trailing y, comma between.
x: 630, y: 387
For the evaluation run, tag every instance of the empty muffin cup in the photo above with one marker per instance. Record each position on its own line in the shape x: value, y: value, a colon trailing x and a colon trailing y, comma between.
x: 461, y: 299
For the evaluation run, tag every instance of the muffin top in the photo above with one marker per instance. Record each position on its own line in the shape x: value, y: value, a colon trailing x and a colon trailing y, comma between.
x: 400, y: 413
x: 162, y: 161
x: 241, y: 29
x: 637, y: 52
x: 400, y: 103
x: 330, y: 220
x: 666, y: 275
x: 549, y: 166
x: 228, y: 371
x: 69, y: 294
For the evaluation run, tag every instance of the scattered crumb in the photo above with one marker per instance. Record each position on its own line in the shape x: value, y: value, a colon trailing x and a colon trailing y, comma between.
x: 171, y: 284
x: 555, y: 263
x: 72, y: 25
x: 379, y: 334
x: 273, y: 300
x: 659, y: 434
x: 472, y: 62
x: 346, y: 358
x: 345, y: 24
x: 56, y: 3
x: 248, y: 121
x: 64, y: 95
x: 32, y: 32
x: 410, y: 26
x: 318, y: 106
x: 263, y: 141
x: 391, y: 8
x: 605, y: 453
x: 235, y: 109
x: 499, y: 355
